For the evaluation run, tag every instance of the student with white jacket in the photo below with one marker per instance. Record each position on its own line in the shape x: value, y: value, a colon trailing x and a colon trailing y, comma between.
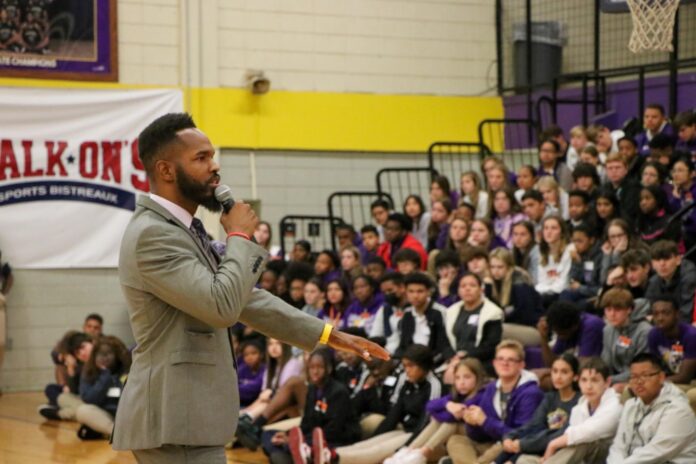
x: 657, y: 425
x: 593, y: 421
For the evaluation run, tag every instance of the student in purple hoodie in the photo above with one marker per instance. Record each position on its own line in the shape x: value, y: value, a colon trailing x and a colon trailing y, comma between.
x: 327, y: 266
x: 503, y: 406
x: 655, y: 122
x: 250, y: 372
x: 366, y: 302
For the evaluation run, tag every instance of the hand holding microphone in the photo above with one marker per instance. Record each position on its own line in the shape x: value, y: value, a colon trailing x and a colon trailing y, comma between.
x: 237, y: 216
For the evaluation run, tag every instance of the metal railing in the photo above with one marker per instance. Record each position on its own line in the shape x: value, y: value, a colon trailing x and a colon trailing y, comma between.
x: 317, y: 230
x: 402, y: 182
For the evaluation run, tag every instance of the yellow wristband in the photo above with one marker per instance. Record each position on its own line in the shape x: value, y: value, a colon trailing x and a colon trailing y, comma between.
x: 324, y: 339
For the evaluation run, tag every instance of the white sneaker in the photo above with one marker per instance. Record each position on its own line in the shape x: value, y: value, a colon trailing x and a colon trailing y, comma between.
x: 413, y: 457
x: 396, y: 457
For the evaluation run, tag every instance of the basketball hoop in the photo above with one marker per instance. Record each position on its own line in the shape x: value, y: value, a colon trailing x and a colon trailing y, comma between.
x: 653, y: 25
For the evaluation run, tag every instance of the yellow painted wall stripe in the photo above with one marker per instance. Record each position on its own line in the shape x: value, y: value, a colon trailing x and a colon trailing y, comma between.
x: 328, y: 121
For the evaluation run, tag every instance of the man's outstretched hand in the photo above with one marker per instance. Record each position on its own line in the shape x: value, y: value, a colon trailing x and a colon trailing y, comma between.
x: 366, y: 349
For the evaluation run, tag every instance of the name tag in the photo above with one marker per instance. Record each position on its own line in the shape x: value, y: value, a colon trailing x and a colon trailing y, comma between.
x: 321, y: 406
x: 390, y: 381
x: 623, y: 341
x: 113, y: 392
x: 589, y: 265
x: 473, y: 319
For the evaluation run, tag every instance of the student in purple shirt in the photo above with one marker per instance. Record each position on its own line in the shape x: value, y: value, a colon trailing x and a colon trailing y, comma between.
x: 575, y: 330
x: 655, y: 122
x: 366, y: 302
x: 250, y: 372
x: 685, y: 126
x: 673, y: 341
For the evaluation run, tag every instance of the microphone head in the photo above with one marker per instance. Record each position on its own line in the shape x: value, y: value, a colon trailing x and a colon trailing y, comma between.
x: 223, y: 194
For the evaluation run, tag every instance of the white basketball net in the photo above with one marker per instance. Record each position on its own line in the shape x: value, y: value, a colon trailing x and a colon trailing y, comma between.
x: 653, y: 25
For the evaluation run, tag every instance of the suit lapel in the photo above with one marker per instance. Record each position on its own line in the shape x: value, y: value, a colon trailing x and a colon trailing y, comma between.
x: 146, y: 202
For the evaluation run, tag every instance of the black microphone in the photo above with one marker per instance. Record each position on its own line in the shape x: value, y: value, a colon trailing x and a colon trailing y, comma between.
x: 223, y: 194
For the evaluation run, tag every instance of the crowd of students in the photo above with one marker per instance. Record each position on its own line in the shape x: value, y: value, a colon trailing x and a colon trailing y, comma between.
x: 543, y: 315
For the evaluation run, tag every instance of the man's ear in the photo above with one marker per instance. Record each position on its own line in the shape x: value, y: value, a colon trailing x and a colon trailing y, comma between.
x: 165, y: 170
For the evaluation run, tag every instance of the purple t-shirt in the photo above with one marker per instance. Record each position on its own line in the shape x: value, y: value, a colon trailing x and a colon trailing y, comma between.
x: 587, y: 341
x: 673, y: 351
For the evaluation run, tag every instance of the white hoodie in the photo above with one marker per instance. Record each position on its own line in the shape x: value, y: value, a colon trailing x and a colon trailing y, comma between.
x: 664, y: 431
x: 586, y: 428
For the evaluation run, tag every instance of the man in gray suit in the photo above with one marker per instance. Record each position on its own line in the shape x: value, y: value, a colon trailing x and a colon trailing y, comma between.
x: 180, y: 403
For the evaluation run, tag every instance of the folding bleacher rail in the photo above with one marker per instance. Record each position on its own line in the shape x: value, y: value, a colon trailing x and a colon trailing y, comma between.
x: 512, y: 140
x: 451, y: 159
x: 402, y: 182
x: 353, y: 207
x: 317, y: 230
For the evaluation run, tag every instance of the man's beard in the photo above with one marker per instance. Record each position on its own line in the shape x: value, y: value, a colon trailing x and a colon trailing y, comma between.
x: 200, y: 193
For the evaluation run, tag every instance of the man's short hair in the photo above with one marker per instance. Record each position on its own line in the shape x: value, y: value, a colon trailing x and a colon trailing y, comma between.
x: 408, y: 255
x: 563, y: 316
x: 447, y: 257
x: 617, y: 298
x: 75, y: 342
x: 665, y: 298
x: 394, y: 277
x: 403, y: 221
x: 687, y: 118
x: 580, y: 194
x: 585, y: 228
x: 663, y: 249
x: 376, y: 260
x: 95, y: 317
x: 420, y: 355
x: 616, y: 158
x: 635, y: 257
x: 474, y: 252
x: 509, y: 344
x: 585, y: 170
x: 628, y: 139
x: 651, y: 358
x: 380, y: 203
x: 556, y: 145
x: 344, y: 226
x: 369, y: 229
x: 419, y: 278
x: 596, y: 364
x: 551, y: 131
x: 533, y: 195
x: 661, y: 142
x: 656, y: 106
x: 160, y: 133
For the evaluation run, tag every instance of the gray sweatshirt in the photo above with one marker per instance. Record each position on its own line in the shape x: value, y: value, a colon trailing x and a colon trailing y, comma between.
x: 620, y: 345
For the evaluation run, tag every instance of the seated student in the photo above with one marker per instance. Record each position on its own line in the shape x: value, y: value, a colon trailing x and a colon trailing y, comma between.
x: 477, y: 262
x: 296, y: 284
x: 474, y: 324
x: 440, y: 190
x: 607, y: 208
x: 281, y: 366
x: 482, y: 235
x: 503, y: 406
x: 440, y: 213
x: 592, y: 157
x: 472, y: 192
x: 555, y: 197
x: 505, y: 212
x: 550, y: 418
x: 514, y: 292
x: 335, y: 310
x: 268, y: 281
x: 593, y: 421
x: 577, y: 332
x: 525, y: 250
x: 555, y: 259
x: 398, y: 237
x: 585, y: 268
x: 414, y: 208
x: 673, y: 276
x: 629, y: 150
x: 250, y: 371
x: 314, y: 296
x: 447, y: 267
x: 350, y: 264
x: 376, y: 268
x: 684, y: 193
x: 526, y: 178
x: 578, y: 141
x: 625, y: 335
x: 655, y: 122
x: 550, y: 164
x: 100, y: 387
x: 619, y: 239
x: 406, y: 261
x: 661, y: 150
x: 346, y: 236
x: 366, y: 301
x: 657, y: 425
x: 73, y: 351
x: 536, y: 210
x: 673, y: 341
x: 373, y: 401
x: 457, y: 235
x: 387, y: 321
x: 424, y: 320
x: 406, y: 417
x: 327, y: 266
x: 469, y: 379
x: 579, y: 209
x: 636, y: 266
x: 626, y: 189
x: 653, y: 220
x: 380, y: 210
x: 301, y: 252
x: 685, y: 126
x: 370, y: 243
x: 587, y: 180
x: 327, y: 406
x: 351, y: 371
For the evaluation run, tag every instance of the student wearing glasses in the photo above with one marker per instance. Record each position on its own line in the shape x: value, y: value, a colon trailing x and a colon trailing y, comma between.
x: 657, y: 425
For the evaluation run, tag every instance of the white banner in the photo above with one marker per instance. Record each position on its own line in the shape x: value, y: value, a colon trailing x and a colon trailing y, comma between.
x: 70, y: 172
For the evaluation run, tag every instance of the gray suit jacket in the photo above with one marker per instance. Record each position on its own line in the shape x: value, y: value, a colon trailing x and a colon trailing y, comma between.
x: 182, y: 387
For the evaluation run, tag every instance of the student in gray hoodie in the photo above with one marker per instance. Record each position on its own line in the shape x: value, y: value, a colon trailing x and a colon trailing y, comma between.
x: 625, y: 335
x: 658, y: 425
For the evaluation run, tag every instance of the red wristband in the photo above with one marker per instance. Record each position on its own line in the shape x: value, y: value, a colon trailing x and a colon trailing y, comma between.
x: 238, y: 234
